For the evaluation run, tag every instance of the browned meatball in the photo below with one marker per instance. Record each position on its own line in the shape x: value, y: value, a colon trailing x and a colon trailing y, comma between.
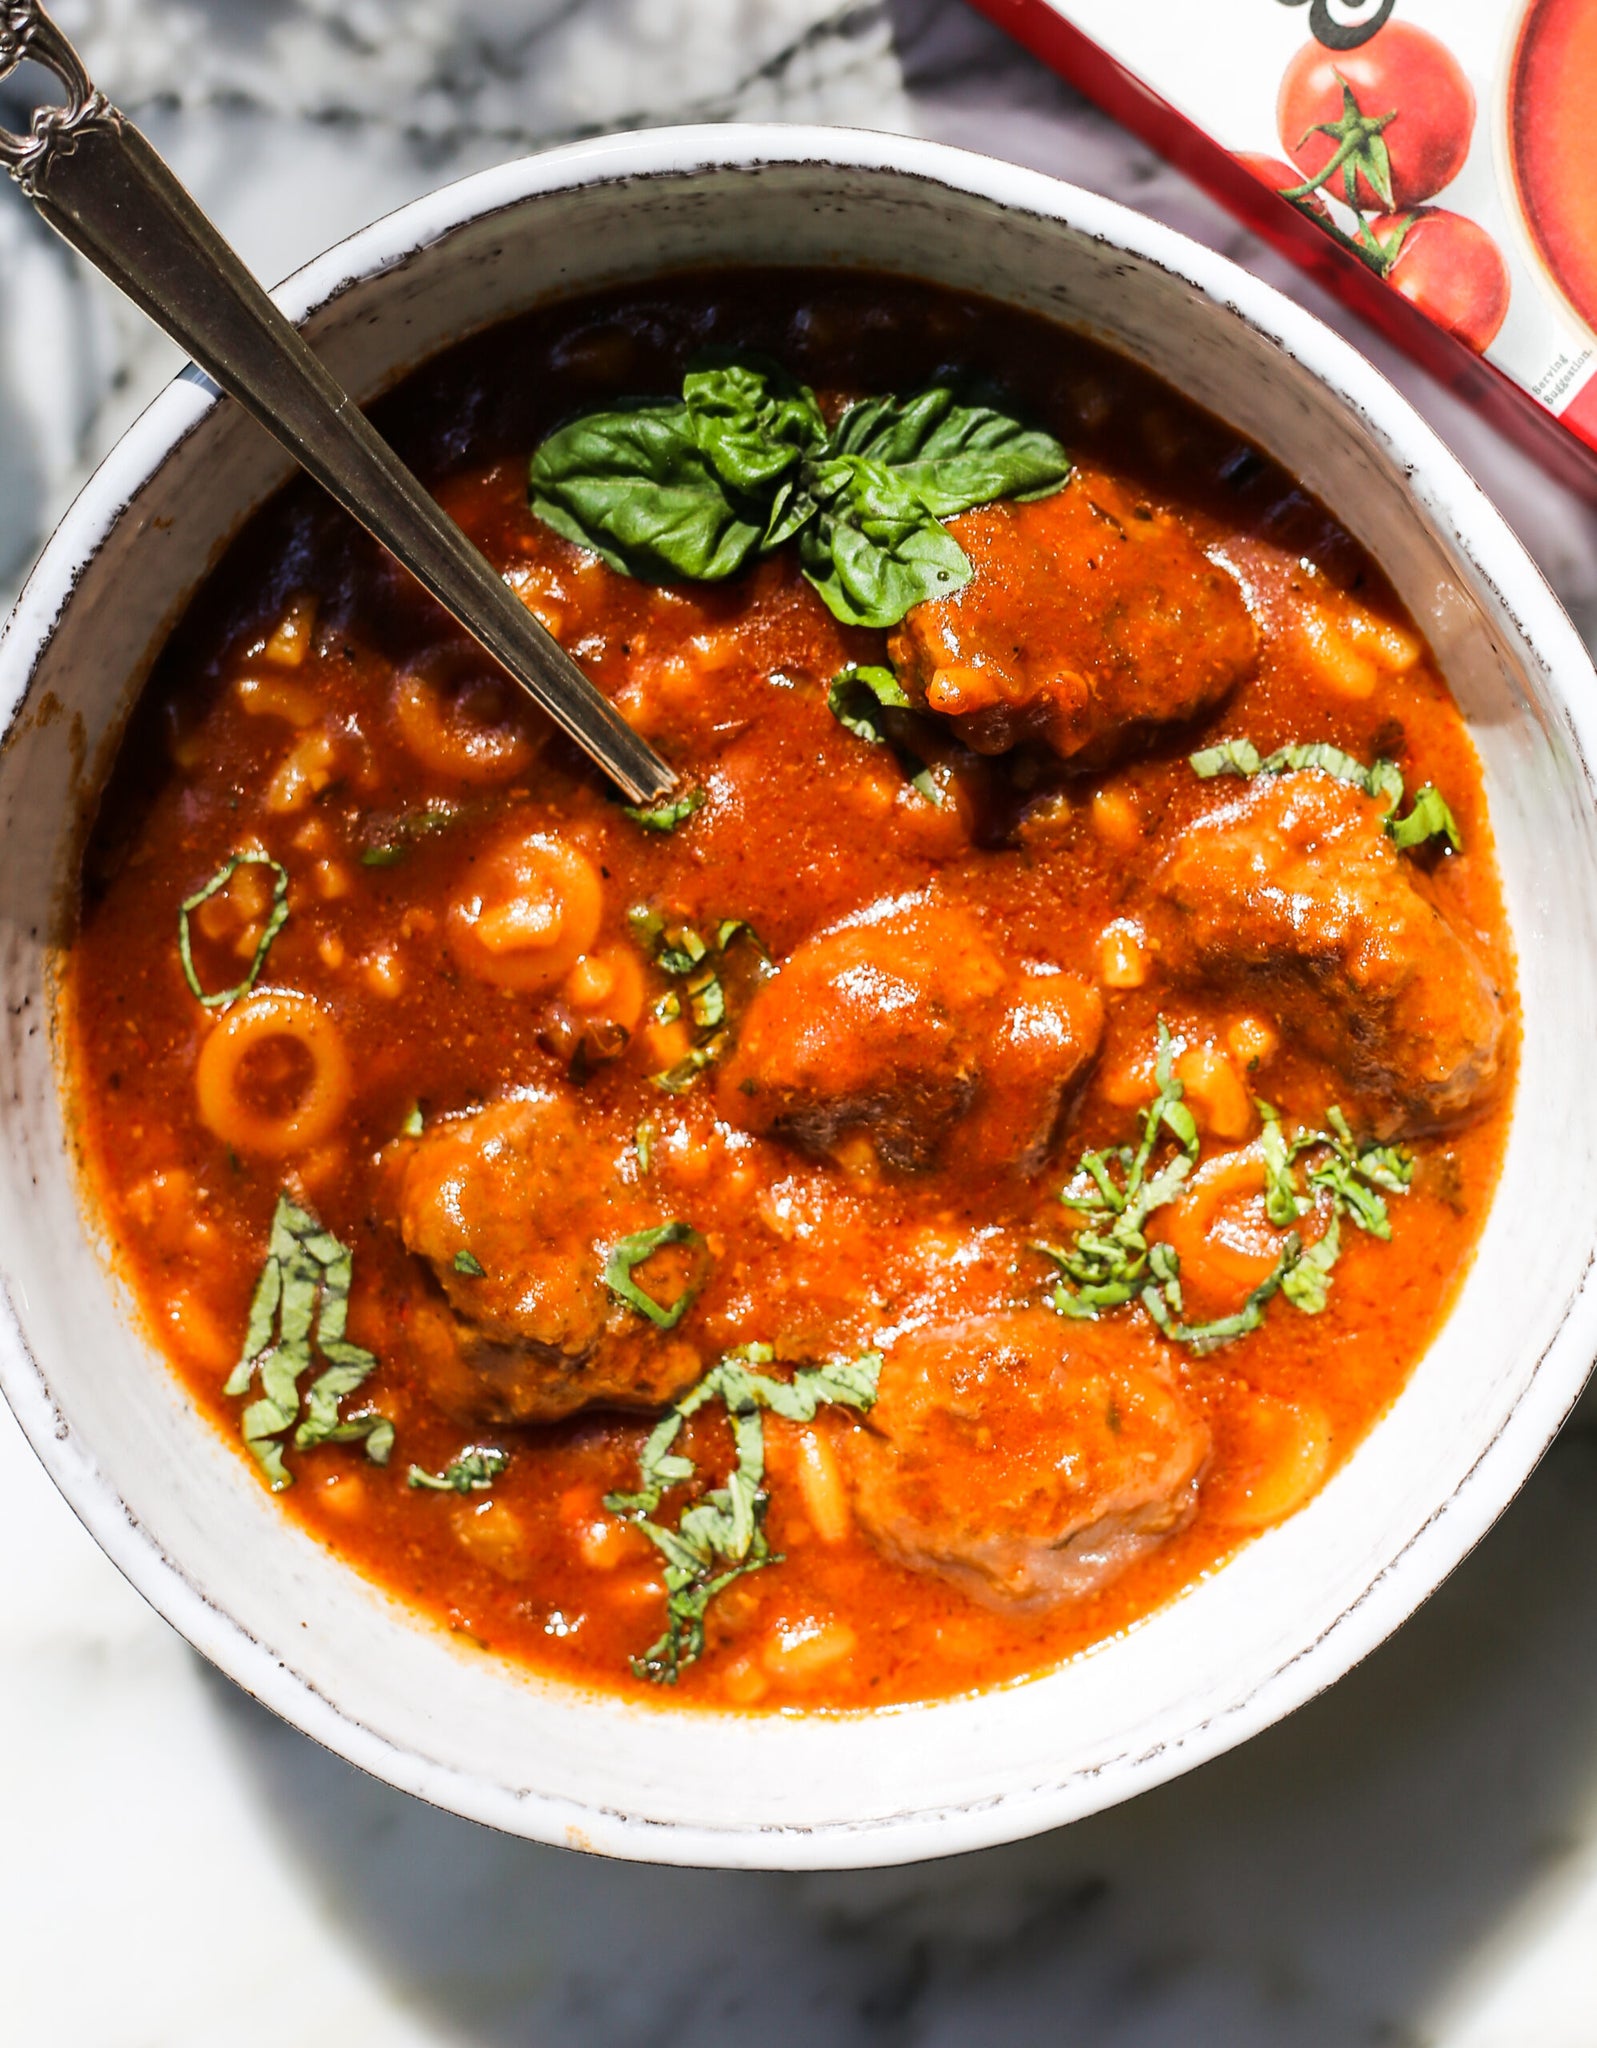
x: 1294, y: 889
x: 896, y: 1028
x: 1023, y: 1458
x: 514, y: 1208
x: 1089, y: 616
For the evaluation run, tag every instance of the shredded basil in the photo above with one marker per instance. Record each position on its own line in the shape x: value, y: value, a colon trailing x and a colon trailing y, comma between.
x: 643, y: 1145
x: 744, y: 463
x: 470, y: 1265
x: 276, y: 918
x: 384, y: 856
x: 687, y: 956
x: 413, y: 1126
x: 301, y: 1300
x: 1429, y: 819
x: 474, y: 1471
x: 1112, y: 1262
x: 665, y: 817
x: 631, y: 1252
x: 721, y: 1535
x: 857, y: 697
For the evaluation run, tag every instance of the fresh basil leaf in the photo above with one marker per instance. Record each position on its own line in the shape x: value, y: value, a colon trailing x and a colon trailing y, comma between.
x: 1429, y: 819
x: 469, y: 1265
x: 751, y: 419
x: 631, y: 1252
x: 276, y: 918
x: 874, y: 550
x: 953, y: 455
x: 665, y: 817
x: 474, y: 1471
x: 637, y: 488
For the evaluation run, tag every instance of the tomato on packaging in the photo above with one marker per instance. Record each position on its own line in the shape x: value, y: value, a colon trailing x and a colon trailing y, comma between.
x: 1282, y: 178
x: 1397, y: 113
x: 1450, y: 268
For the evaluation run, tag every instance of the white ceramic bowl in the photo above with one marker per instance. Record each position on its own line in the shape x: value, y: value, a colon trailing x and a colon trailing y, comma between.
x: 176, y: 1507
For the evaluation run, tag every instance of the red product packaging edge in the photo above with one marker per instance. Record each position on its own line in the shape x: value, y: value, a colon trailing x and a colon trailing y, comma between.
x: 1565, y: 446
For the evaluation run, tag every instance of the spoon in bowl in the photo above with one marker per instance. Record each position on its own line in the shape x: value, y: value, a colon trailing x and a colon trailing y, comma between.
x: 104, y: 189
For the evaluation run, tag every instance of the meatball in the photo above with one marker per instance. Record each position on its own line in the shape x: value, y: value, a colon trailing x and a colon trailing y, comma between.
x: 513, y: 1207
x: 900, y: 1026
x: 1294, y: 892
x: 1024, y: 1458
x: 1088, y: 617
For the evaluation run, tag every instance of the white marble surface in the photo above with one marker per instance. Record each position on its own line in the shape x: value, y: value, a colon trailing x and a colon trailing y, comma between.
x: 1412, y: 1859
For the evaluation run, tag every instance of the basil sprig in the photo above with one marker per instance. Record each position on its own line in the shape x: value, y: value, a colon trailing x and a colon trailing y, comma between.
x: 744, y: 462
x: 1430, y: 817
x: 301, y: 1300
x: 1112, y: 1261
x: 722, y: 1535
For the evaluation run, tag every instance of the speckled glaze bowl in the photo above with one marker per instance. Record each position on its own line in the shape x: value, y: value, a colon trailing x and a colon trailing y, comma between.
x: 177, y: 1507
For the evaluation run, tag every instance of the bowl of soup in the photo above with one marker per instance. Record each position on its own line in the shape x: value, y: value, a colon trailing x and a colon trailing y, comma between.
x: 980, y: 1254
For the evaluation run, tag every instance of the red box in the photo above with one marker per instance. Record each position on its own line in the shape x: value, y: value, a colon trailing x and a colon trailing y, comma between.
x: 1431, y: 161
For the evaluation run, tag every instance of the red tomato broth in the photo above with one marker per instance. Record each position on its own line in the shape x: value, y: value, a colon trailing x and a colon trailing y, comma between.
x: 804, y: 824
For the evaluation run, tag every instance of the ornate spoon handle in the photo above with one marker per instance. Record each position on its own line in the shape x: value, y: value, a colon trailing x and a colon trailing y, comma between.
x: 101, y: 186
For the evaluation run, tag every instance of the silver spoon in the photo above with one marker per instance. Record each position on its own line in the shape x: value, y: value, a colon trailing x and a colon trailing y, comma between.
x: 101, y: 186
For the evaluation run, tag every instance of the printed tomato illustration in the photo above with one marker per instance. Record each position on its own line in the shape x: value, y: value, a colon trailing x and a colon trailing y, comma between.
x: 1450, y: 268
x: 1397, y: 113
x: 1281, y: 177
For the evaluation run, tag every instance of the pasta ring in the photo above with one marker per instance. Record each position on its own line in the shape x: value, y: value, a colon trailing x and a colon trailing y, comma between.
x: 224, y: 1105
x: 433, y: 702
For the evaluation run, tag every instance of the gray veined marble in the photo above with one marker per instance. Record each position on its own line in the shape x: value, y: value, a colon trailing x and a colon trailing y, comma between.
x: 1413, y: 1859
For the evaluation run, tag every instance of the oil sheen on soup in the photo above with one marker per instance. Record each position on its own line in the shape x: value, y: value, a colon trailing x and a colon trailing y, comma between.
x: 901, y: 1209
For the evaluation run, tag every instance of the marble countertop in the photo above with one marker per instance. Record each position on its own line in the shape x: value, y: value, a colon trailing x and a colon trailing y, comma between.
x: 1410, y: 1860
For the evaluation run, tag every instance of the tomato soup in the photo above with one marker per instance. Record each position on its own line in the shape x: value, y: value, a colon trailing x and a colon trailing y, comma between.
x: 890, y: 1216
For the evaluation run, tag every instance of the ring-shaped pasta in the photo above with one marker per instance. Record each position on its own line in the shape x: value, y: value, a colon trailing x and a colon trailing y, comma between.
x: 221, y: 1084
x: 457, y: 716
x: 529, y: 911
x: 1220, y: 1232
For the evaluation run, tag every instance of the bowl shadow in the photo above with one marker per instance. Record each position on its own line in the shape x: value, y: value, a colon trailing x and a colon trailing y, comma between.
x: 1336, y: 1880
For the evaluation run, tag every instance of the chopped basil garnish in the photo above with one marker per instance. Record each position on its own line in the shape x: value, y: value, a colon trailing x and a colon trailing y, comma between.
x: 1429, y: 819
x: 665, y: 817
x: 1112, y: 1261
x: 721, y: 1535
x: 859, y: 694
x: 744, y: 462
x: 301, y: 1299
x: 384, y: 856
x: 683, y: 953
x: 468, y: 1263
x: 635, y: 1251
x: 412, y: 1126
x: 474, y: 1471
x: 276, y: 918
x: 643, y: 1145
